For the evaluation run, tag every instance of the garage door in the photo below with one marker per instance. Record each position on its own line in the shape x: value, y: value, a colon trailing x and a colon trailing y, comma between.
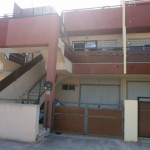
x: 101, y: 94
x: 138, y: 89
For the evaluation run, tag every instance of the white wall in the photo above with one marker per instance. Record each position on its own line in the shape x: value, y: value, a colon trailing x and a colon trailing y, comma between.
x: 19, y: 122
x: 23, y: 83
x: 131, y: 120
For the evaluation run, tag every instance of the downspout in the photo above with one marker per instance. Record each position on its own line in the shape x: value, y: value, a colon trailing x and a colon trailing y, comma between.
x: 124, y: 37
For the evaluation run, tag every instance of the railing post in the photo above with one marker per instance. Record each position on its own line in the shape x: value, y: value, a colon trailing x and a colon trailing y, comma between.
x: 40, y: 89
x: 47, y: 115
x: 28, y: 97
x: 53, y: 116
x: 85, y: 119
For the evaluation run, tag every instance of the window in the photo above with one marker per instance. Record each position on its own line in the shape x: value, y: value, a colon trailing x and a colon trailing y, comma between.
x: 107, y: 45
x: 65, y: 87
x: 68, y: 87
x: 138, y: 44
x: 79, y: 46
x: 88, y: 45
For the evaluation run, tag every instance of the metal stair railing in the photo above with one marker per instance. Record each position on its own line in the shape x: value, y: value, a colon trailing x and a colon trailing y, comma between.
x: 40, y: 90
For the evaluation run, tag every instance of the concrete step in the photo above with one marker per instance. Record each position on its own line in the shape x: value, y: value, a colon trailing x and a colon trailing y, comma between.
x: 42, y: 133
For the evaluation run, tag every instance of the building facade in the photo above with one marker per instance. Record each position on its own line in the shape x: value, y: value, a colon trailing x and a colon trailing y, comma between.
x: 94, y: 73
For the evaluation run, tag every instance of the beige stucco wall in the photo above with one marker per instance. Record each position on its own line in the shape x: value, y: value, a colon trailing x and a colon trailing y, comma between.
x: 23, y: 83
x: 19, y: 122
x: 68, y: 95
x: 64, y: 66
x: 131, y: 120
x: 8, y: 65
x: 3, y: 74
x: 138, y: 35
x: 74, y: 96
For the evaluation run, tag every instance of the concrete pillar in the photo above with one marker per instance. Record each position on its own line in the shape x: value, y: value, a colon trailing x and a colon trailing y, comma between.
x: 131, y: 120
x: 124, y: 36
x: 51, y: 68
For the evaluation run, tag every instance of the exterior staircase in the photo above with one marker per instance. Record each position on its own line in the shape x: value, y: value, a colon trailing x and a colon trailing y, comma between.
x: 35, y: 94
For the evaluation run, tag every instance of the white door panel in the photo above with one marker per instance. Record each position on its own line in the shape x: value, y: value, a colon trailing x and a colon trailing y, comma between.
x: 101, y: 94
x: 138, y: 89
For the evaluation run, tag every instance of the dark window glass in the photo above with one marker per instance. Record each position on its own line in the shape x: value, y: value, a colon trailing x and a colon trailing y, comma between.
x: 68, y: 87
x: 79, y: 45
x: 65, y: 86
x: 71, y: 87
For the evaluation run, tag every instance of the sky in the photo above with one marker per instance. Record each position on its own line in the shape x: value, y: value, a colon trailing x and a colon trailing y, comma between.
x: 6, y: 6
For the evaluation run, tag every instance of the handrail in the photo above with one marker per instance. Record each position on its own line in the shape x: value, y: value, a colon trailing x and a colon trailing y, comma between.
x: 92, y: 8
x: 38, y: 100
x: 137, y: 2
x: 19, y: 72
x: 9, y: 15
x: 40, y: 92
x: 36, y: 83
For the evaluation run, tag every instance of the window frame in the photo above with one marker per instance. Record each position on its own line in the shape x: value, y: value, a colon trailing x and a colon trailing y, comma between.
x: 71, y: 87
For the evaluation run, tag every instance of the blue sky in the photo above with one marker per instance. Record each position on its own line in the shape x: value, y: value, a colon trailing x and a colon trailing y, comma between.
x: 6, y: 6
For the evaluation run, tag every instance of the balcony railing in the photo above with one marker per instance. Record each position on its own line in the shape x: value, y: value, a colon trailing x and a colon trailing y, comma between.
x: 97, y: 56
x: 138, y: 55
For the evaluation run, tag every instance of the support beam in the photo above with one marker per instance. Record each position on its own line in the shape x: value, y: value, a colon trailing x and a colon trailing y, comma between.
x: 51, y: 69
x: 124, y: 36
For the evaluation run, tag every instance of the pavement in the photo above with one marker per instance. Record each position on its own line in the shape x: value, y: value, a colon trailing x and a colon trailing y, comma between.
x: 75, y: 142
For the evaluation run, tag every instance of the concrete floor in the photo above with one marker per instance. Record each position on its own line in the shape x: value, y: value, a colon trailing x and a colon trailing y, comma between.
x: 68, y: 142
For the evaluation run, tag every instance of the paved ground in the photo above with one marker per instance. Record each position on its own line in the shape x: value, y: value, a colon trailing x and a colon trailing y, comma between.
x: 65, y: 142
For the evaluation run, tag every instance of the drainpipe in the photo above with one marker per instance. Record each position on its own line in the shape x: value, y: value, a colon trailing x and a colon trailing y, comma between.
x: 124, y: 37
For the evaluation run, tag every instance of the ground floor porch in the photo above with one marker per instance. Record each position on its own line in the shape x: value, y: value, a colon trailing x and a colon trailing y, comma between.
x: 63, y: 142
x: 113, y: 106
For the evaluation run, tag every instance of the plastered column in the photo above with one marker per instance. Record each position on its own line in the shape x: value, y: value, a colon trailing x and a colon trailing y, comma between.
x: 51, y: 68
x: 131, y: 120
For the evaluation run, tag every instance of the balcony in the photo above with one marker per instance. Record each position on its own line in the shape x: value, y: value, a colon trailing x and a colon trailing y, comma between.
x: 138, y: 61
x: 109, y: 62
x: 107, y: 20
x: 95, y: 62
x: 138, y: 55
x: 102, y: 20
x: 97, y: 56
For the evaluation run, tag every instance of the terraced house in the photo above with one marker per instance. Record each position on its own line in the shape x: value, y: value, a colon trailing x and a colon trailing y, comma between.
x: 98, y: 61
